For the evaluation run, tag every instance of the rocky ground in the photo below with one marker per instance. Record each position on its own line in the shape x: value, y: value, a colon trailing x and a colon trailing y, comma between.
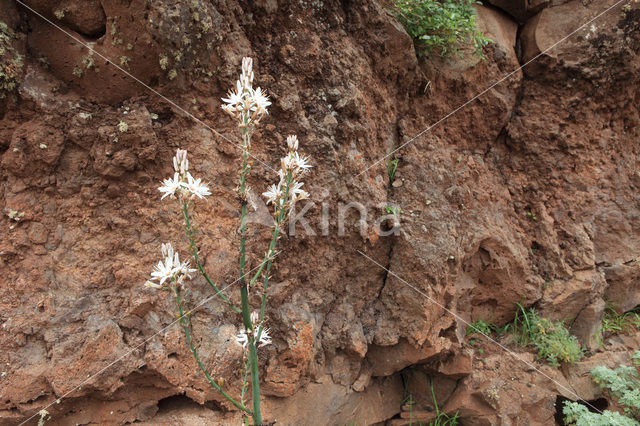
x: 528, y: 194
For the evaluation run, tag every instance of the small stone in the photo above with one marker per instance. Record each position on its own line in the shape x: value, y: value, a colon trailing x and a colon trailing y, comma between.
x: 397, y: 183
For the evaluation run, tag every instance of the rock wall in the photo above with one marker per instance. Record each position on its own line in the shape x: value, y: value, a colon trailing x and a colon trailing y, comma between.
x: 527, y: 194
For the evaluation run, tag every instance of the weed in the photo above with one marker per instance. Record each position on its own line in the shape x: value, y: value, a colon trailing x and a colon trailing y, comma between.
x: 442, y: 419
x: 77, y: 72
x: 394, y: 210
x: 551, y: 339
x: 123, y: 127
x: 59, y: 13
x: 615, y: 323
x: 481, y: 327
x: 531, y: 215
x: 392, y: 165
x: 621, y: 384
x: 441, y: 25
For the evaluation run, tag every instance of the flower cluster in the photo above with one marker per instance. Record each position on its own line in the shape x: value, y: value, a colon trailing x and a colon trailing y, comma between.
x: 242, y: 338
x: 289, y: 190
x: 182, y: 184
x: 170, y: 269
x: 246, y: 104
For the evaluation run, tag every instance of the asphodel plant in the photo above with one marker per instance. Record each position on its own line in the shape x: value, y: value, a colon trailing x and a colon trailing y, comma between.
x: 247, y: 106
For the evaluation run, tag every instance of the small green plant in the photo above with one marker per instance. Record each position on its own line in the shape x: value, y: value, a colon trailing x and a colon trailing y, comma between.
x: 394, y: 210
x: 442, y: 419
x: 441, y: 25
x: 531, y: 215
x: 551, y: 339
x: 59, y: 13
x: 392, y: 165
x: 481, y: 327
x: 621, y: 384
x: 123, y: 127
x: 615, y: 323
x: 124, y: 61
x: 578, y: 414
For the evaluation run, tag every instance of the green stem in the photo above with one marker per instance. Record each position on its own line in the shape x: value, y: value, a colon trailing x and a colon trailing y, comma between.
x: 255, y: 383
x: 244, y: 288
x: 185, y: 327
x: 244, y: 291
x: 270, y: 253
x: 194, y: 252
x: 244, y: 381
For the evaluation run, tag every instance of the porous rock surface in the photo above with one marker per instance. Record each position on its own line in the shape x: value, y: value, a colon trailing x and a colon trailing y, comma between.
x: 528, y: 194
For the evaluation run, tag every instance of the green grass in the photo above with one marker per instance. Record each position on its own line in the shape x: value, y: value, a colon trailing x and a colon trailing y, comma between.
x: 392, y: 165
x: 395, y: 210
x: 615, y: 323
x: 551, y: 339
x: 441, y: 26
x: 481, y: 327
x: 441, y: 418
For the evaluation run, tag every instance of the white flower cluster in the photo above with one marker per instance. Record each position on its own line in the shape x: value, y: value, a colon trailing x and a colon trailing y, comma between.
x: 243, y: 339
x: 246, y: 104
x: 293, y: 167
x: 170, y: 269
x: 183, y: 184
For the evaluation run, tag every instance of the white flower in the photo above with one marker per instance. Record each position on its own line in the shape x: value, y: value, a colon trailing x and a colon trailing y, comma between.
x: 234, y: 99
x: 170, y: 186
x: 273, y: 194
x: 230, y: 109
x: 292, y: 142
x: 260, y: 101
x: 169, y: 268
x: 183, y: 271
x: 255, y: 317
x: 247, y: 70
x: 180, y: 162
x: 196, y: 187
x: 242, y: 339
x: 297, y: 193
x: 287, y: 164
x: 265, y: 339
x: 167, y: 250
x: 300, y: 162
x: 162, y: 272
x: 151, y: 284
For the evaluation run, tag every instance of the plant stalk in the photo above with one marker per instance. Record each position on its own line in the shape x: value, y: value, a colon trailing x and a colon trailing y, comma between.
x: 185, y: 327
x: 255, y: 382
x: 244, y: 289
x: 194, y: 252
